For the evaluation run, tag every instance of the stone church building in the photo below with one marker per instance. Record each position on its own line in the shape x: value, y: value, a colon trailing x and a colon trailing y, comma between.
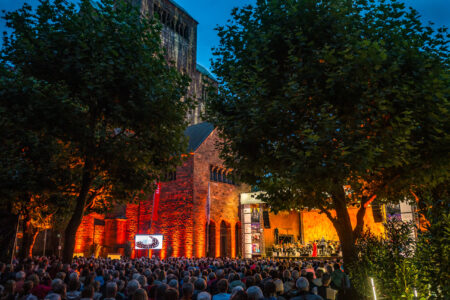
x: 181, y: 214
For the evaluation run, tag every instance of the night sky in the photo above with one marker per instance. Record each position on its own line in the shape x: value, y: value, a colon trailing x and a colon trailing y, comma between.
x: 209, y: 13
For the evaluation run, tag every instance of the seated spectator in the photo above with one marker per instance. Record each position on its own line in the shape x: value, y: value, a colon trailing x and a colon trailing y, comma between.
x: 140, y: 294
x: 88, y: 293
x: 302, y: 285
x: 132, y: 287
x: 110, y: 291
x: 73, y: 289
x: 26, y: 294
x: 39, y: 290
x: 240, y: 295
x: 171, y: 294
x: 188, y: 291
x: 222, y: 288
x: 204, y: 296
x: 255, y: 293
x: 58, y: 288
x: 325, y: 291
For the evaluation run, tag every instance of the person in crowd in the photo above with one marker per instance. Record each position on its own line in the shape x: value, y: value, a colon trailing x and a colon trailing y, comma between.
x: 26, y: 294
x: 140, y: 294
x: 39, y: 290
x: 204, y: 296
x: 132, y: 286
x: 20, y: 280
x: 110, y: 291
x: 88, y: 293
x: 9, y: 291
x: 171, y: 294
x: 302, y: 285
x: 270, y: 290
x: 199, y: 286
x: 239, y: 295
x: 222, y: 288
x: 58, y: 290
x: 255, y: 293
x: 73, y: 289
x: 325, y: 291
x: 187, y: 291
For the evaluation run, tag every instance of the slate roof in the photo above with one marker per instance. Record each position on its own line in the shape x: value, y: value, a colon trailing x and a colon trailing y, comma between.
x: 205, y: 72
x: 197, y: 134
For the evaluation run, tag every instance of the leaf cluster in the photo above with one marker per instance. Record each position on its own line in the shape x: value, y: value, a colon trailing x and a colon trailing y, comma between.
x: 91, y: 85
x: 315, y: 94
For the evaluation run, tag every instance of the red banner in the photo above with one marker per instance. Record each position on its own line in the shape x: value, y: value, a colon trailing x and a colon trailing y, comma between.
x: 156, y: 202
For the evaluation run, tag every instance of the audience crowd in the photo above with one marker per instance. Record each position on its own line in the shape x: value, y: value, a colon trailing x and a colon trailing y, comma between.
x: 172, y: 279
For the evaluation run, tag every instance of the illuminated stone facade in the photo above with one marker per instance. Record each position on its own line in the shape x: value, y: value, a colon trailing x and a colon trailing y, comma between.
x: 182, y: 210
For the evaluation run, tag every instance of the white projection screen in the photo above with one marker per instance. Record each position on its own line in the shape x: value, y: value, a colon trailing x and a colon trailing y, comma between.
x: 148, y: 241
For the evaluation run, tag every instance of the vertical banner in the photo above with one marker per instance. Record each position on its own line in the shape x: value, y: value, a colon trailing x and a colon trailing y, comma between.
x: 208, y: 205
x: 156, y: 202
x: 208, y: 217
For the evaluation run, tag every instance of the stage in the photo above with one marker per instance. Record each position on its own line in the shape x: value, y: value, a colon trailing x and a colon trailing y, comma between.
x: 307, y: 257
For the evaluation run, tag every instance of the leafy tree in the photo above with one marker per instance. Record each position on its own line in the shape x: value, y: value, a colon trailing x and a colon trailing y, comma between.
x: 388, y: 261
x: 326, y: 104
x: 35, y: 176
x: 433, y: 246
x: 107, y: 94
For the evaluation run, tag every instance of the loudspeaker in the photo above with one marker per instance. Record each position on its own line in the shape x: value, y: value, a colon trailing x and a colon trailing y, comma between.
x: 377, y: 212
x: 266, y: 219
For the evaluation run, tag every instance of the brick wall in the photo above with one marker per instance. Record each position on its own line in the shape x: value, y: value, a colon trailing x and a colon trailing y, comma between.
x: 85, y: 234
x: 224, y: 198
x: 316, y: 225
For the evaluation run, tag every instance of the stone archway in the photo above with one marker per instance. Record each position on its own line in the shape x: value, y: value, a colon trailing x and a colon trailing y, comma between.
x: 225, y: 239
x: 211, y: 239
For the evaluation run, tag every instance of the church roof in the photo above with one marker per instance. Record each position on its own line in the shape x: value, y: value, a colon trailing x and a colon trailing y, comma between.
x: 182, y: 9
x: 205, y: 72
x: 197, y: 134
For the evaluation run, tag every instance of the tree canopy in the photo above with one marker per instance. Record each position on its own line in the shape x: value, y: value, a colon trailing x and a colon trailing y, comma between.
x: 94, y: 77
x: 323, y: 104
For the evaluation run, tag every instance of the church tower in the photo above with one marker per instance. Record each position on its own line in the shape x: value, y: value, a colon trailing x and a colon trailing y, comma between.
x: 179, y: 38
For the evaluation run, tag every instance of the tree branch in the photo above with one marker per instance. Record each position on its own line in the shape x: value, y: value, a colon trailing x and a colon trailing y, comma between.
x: 328, y: 214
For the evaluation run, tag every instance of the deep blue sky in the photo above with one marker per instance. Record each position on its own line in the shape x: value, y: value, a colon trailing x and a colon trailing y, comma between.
x: 209, y: 13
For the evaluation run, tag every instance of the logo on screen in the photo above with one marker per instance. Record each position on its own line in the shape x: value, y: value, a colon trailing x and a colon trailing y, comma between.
x: 150, y: 243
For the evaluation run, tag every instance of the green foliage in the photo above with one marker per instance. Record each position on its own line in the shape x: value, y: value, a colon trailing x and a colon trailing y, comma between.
x: 314, y: 92
x: 433, y: 247
x: 317, y: 96
x: 92, y: 84
x: 388, y: 261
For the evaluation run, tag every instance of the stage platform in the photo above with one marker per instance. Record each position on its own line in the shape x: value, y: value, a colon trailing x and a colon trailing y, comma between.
x: 306, y: 257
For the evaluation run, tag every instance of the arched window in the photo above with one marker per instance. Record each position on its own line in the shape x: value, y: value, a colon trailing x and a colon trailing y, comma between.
x: 211, y: 239
x: 225, y: 239
x: 219, y: 176
x: 215, y: 174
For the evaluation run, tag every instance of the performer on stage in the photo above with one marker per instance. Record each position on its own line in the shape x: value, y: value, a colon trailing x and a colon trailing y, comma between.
x: 314, y: 254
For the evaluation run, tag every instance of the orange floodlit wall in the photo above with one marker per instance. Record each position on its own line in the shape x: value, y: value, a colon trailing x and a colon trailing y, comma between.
x: 316, y: 225
x: 287, y: 223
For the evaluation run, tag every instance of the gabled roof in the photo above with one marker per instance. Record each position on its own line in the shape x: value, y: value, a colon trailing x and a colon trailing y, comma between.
x: 197, y: 134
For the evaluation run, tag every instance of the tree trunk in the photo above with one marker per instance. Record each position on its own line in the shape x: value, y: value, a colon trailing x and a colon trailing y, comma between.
x: 77, y: 216
x: 347, y: 238
x: 8, y: 227
x: 33, y: 241
x: 26, y: 238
